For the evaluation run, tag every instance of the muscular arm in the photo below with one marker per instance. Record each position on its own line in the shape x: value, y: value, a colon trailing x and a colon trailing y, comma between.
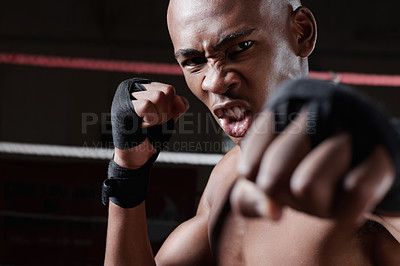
x: 152, y: 104
x: 189, y: 243
x: 128, y: 242
x: 127, y: 238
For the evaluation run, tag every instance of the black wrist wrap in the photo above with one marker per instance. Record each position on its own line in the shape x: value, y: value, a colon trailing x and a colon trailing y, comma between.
x: 125, y: 123
x: 332, y: 107
x: 127, y: 188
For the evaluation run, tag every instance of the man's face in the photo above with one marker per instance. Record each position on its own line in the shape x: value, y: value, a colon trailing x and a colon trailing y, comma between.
x: 232, y: 53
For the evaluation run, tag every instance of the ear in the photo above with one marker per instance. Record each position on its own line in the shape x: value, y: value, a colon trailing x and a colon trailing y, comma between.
x: 305, y: 29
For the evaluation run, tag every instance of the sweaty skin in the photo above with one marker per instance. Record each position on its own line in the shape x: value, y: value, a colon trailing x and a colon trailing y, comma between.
x: 296, y: 239
x: 233, y: 54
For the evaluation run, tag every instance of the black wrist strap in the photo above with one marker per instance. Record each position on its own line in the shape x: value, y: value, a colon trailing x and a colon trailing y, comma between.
x: 127, y: 188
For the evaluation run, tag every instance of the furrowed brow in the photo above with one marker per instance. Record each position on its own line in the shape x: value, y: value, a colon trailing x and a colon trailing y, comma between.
x: 233, y: 37
x: 187, y: 53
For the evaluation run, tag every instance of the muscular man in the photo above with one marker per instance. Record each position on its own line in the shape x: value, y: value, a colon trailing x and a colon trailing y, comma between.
x: 280, y: 207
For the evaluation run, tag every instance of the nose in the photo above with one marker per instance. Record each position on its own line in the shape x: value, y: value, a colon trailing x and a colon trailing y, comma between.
x: 219, y: 80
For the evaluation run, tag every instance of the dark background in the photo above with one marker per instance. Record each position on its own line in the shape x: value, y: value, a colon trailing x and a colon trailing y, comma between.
x: 50, y: 213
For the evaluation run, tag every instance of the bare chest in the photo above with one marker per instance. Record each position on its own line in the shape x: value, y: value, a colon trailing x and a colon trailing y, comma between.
x: 297, y: 239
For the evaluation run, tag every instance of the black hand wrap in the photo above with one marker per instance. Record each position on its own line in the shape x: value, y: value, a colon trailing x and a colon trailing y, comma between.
x: 331, y: 107
x: 127, y: 188
x: 125, y: 123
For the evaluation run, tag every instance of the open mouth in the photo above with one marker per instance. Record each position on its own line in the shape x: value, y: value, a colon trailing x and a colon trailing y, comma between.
x: 235, y: 121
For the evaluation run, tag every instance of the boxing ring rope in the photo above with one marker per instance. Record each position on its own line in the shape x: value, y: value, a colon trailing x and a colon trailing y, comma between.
x: 173, y: 69
x: 144, y: 68
x: 89, y: 64
x: 44, y: 150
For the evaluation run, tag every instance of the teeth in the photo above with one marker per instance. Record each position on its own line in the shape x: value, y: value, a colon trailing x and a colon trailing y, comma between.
x: 229, y: 112
x: 236, y: 113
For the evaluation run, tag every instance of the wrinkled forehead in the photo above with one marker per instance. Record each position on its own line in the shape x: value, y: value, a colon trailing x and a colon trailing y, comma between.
x: 190, y: 17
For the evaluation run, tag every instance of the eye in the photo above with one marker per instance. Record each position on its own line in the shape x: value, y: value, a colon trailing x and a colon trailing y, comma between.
x: 240, y: 47
x: 195, y: 61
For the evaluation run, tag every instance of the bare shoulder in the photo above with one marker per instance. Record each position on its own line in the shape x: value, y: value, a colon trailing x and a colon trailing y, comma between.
x: 178, y: 247
x: 222, y: 177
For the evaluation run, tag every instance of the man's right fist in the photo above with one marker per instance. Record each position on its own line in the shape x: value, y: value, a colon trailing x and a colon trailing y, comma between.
x: 158, y: 104
x: 143, y: 114
x: 143, y: 109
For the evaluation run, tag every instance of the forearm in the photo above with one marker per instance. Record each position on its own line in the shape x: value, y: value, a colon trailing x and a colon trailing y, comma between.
x: 127, y: 239
x: 141, y: 113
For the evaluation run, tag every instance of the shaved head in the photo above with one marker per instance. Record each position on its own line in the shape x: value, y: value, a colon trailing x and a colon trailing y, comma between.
x: 182, y: 12
x: 240, y: 50
x: 199, y: 5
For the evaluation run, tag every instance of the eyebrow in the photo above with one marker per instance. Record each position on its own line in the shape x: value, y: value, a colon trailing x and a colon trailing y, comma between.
x: 221, y: 42
x: 233, y: 37
x: 187, y: 52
